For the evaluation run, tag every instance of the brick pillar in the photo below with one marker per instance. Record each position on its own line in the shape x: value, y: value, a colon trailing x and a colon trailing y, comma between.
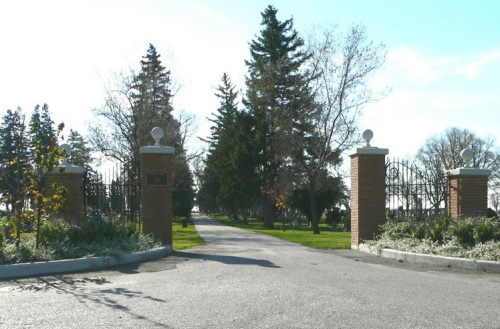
x: 157, y: 182
x: 468, y: 192
x: 72, y: 179
x: 367, y: 193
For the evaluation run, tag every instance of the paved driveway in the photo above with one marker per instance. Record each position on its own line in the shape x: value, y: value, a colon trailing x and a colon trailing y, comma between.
x: 241, y: 279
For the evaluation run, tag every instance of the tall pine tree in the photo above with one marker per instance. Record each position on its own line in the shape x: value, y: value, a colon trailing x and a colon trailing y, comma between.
x: 230, y: 178
x: 80, y: 151
x: 42, y: 132
x: 275, y: 96
x: 14, y: 157
x: 137, y: 104
x: 219, y: 174
x: 152, y: 100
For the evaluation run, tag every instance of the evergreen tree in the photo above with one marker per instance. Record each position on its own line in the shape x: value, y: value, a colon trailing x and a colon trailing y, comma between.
x: 25, y: 156
x: 230, y: 179
x: 244, y: 162
x: 183, y: 193
x: 80, y: 151
x: 14, y: 157
x: 133, y: 107
x: 219, y: 173
x: 42, y: 132
x: 224, y: 119
x: 152, y: 98
x: 276, y: 94
x: 208, y: 193
x: 137, y: 104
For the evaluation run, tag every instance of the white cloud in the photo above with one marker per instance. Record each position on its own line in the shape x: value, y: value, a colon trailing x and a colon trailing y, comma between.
x: 478, y: 66
x: 411, y: 63
x: 428, y: 95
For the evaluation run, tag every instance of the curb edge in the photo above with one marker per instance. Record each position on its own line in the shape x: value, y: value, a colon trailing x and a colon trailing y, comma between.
x: 80, y: 264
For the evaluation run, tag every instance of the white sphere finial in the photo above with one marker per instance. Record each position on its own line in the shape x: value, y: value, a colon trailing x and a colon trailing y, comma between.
x: 466, y: 155
x: 367, y: 136
x: 157, y: 134
x: 68, y: 149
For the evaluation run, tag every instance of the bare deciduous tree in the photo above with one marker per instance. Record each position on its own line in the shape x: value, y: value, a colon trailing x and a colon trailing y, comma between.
x: 442, y: 152
x: 339, y: 67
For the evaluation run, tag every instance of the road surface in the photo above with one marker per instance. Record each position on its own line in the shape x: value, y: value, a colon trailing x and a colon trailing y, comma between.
x: 241, y: 279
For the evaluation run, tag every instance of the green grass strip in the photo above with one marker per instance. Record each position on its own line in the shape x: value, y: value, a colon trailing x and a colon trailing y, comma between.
x: 184, y: 237
x: 303, y: 235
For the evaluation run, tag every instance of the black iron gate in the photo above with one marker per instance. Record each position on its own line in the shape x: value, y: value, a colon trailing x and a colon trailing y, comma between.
x: 415, y: 192
x: 115, y: 194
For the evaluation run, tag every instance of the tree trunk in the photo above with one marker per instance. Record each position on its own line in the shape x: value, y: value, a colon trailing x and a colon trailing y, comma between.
x: 234, y: 214
x: 314, y: 212
x: 268, y: 212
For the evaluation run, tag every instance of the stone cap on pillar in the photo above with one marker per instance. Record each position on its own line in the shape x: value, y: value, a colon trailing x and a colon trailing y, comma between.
x: 469, y: 172
x: 157, y: 149
x: 368, y: 149
x: 467, y: 155
x: 157, y: 134
x: 70, y: 169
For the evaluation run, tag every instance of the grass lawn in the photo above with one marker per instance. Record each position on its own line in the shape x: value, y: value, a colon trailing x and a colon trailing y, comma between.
x: 184, y: 237
x: 303, y: 235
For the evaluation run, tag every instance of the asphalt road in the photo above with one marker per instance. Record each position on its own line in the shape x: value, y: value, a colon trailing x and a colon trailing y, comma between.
x: 241, y: 279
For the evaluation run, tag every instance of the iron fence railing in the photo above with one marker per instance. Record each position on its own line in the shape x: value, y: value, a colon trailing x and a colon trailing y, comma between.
x: 415, y: 192
x: 115, y: 194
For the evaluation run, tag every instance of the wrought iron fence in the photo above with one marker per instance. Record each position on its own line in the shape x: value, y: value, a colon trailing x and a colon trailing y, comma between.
x: 115, y: 194
x: 415, y: 192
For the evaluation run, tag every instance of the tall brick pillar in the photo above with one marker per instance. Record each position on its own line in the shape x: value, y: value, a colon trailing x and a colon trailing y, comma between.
x: 72, y: 179
x: 157, y: 183
x: 367, y: 191
x: 468, y: 192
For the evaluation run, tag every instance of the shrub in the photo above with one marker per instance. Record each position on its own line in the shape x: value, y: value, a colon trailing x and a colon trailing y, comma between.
x: 437, y: 229
x: 468, y: 232
x: 95, y: 237
x: 463, y: 232
x: 2, y: 237
x: 492, y: 214
x: 404, y: 230
x: 52, y: 231
x: 484, y: 232
x: 477, y: 238
x: 96, y: 230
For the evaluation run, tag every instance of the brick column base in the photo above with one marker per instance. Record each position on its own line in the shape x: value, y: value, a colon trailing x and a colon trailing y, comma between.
x: 157, y: 183
x: 367, y: 193
x: 72, y: 179
x: 468, y: 192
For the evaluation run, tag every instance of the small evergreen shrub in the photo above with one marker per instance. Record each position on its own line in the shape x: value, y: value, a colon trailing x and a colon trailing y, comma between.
x: 484, y: 232
x: 463, y: 231
x: 437, y: 229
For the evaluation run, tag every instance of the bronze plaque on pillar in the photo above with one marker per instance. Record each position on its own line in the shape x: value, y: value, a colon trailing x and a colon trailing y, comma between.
x: 157, y: 178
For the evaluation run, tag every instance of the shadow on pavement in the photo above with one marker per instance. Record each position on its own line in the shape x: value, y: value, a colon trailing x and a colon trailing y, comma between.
x: 230, y: 260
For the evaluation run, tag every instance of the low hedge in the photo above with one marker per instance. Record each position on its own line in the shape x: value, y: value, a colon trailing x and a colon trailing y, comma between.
x: 477, y: 238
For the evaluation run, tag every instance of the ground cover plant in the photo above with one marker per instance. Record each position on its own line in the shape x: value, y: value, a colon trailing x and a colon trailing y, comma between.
x: 96, y: 237
x: 328, y: 239
x: 60, y: 240
x: 474, y: 238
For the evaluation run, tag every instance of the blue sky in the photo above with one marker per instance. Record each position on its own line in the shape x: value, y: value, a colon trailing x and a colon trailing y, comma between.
x: 443, y: 57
